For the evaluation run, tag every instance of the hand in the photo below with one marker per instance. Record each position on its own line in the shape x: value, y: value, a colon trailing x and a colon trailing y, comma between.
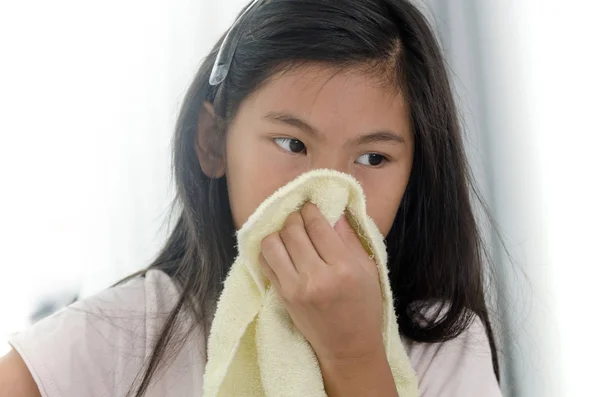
x: 328, y: 284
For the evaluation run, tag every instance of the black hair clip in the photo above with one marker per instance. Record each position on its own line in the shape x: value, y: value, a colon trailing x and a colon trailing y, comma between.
x: 229, y: 45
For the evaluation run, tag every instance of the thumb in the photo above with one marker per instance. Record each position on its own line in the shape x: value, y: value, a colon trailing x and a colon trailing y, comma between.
x: 351, y: 239
x: 347, y: 233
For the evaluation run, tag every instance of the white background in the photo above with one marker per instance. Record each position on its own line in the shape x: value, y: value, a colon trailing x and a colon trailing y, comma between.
x: 89, y: 92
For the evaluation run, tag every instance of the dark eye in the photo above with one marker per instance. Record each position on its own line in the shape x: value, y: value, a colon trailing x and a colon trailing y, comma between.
x: 291, y: 145
x: 371, y: 159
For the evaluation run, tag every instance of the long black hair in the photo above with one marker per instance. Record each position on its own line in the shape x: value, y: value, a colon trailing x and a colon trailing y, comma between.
x: 435, y: 248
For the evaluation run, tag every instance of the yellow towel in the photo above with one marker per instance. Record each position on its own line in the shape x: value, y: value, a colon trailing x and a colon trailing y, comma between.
x: 254, y: 349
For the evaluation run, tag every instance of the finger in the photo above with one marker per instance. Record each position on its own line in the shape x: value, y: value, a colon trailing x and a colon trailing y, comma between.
x: 268, y: 271
x: 299, y: 246
x: 326, y: 241
x: 350, y: 237
x: 346, y: 232
x: 277, y: 258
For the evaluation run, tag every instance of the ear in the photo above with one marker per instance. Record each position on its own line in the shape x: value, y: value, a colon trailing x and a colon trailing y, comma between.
x: 209, y: 149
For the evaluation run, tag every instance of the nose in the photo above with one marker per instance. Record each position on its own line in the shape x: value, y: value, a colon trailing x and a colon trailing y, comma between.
x: 334, y: 160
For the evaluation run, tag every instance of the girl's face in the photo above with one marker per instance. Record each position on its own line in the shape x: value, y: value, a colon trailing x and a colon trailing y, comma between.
x: 315, y: 118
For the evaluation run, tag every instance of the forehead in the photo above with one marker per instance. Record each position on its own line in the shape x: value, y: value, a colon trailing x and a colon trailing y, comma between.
x: 346, y: 99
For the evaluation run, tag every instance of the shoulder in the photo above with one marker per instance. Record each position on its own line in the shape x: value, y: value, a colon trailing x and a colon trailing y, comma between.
x: 98, y: 346
x: 458, y: 367
x: 15, y: 379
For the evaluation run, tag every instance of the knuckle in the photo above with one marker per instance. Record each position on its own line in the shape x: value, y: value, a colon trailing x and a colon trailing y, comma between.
x: 346, y: 276
x: 290, y: 230
x: 269, y: 243
x: 307, y: 208
x: 314, y: 226
x: 293, y: 218
x: 320, y: 292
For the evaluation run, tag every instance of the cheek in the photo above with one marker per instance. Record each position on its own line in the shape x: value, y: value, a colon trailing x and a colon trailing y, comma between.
x: 254, y: 171
x: 383, y: 201
x: 383, y: 212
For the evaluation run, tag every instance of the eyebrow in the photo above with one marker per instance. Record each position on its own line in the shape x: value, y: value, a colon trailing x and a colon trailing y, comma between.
x: 293, y: 121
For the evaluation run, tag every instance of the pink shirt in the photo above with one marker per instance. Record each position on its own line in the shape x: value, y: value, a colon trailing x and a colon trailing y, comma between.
x: 97, y: 346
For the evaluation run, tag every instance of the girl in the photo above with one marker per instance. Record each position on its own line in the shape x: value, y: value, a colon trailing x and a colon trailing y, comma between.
x: 356, y: 86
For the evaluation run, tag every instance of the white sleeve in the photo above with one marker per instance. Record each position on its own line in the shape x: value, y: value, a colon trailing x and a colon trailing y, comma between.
x: 95, y: 347
x: 459, y: 367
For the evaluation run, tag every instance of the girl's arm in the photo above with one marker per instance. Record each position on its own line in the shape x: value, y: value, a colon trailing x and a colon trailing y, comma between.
x: 15, y: 378
x: 369, y: 376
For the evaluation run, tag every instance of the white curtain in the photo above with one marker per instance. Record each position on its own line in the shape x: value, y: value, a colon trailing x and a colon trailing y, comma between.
x: 89, y: 93
x: 526, y: 73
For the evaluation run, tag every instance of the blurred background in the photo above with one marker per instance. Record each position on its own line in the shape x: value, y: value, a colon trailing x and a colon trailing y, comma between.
x: 89, y: 92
